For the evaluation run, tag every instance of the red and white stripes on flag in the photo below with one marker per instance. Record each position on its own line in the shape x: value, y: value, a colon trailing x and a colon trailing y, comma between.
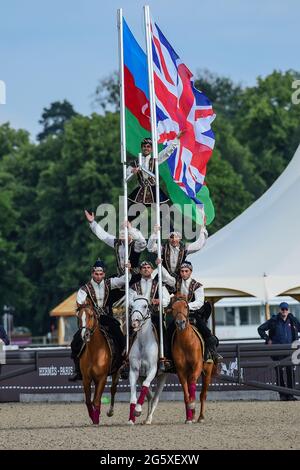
x: 181, y: 107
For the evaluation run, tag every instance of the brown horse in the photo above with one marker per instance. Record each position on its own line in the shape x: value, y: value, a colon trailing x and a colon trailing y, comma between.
x: 95, y: 362
x: 188, y: 358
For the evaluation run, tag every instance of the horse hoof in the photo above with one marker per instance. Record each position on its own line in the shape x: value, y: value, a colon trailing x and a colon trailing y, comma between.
x: 148, y: 421
x: 110, y: 413
x: 200, y: 419
x: 188, y: 421
x: 138, y: 410
x: 130, y: 422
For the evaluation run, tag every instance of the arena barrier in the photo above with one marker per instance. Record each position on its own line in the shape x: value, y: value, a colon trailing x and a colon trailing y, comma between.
x: 46, y: 370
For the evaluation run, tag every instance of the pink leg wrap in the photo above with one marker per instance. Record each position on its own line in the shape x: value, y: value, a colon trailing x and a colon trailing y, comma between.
x: 143, y: 394
x: 96, y: 415
x: 131, y: 413
x: 192, y: 391
x: 189, y: 413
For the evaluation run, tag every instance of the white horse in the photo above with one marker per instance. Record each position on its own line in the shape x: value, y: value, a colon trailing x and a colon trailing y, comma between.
x: 143, y: 358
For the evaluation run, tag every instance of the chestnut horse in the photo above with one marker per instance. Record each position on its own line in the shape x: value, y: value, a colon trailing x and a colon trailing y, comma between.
x: 95, y: 362
x: 188, y: 359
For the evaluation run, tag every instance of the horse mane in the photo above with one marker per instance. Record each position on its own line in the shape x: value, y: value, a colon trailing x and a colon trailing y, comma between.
x: 87, y: 304
x: 177, y: 297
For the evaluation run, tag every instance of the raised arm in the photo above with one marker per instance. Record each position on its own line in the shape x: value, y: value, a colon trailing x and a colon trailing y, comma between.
x: 199, y: 243
x: 167, y: 278
x: 98, y: 230
x: 137, y: 236
x: 119, y: 282
x: 167, y: 152
x: 152, y: 242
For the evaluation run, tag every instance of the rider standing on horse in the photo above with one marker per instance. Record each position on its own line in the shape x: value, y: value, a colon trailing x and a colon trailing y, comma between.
x: 175, y: 251
x: 98, y: 290
x: 136, y: 244
x: 145, y: 192
x: 148, y: 287
x: 194, y: 293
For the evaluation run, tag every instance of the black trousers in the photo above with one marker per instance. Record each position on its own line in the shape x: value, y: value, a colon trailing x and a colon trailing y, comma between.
x: 290, y: 377
x: 166, y: 339
x: 201, y: 325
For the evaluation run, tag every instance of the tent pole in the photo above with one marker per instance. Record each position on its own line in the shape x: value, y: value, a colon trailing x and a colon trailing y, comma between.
x: 267, y: 311
x: 61, y: 330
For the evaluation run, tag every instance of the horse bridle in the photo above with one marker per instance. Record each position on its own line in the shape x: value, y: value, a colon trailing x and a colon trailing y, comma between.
x: 144, y: 317
x: 187, y: 306
x: 89, y: 331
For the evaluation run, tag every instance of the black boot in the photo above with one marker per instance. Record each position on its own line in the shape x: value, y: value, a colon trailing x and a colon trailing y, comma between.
x: 77, y: 375
x: 165, y: 364
x: 124, y: 370
x: 211, y: 345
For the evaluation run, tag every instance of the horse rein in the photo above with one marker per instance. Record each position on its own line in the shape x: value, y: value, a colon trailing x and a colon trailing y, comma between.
x: 144, y: 317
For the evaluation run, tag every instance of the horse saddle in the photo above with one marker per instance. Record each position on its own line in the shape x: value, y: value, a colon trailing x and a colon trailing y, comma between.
x: 206, y: 353
x: 114, y: 347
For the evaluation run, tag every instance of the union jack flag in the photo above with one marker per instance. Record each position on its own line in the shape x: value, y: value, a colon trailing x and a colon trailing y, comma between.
x: 181, y: 107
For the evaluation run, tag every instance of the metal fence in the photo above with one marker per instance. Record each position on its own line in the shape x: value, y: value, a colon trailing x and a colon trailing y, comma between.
x: 245, y: 367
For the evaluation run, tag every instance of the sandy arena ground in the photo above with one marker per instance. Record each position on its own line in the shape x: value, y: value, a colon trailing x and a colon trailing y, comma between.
x: 228, y: 425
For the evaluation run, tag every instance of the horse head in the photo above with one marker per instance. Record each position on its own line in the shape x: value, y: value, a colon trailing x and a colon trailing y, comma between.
x: 139, y: 313
x: 87, y: 319
x: 180, y: 311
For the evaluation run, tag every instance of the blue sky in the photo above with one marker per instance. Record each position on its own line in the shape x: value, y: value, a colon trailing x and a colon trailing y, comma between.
x: 60, y: 49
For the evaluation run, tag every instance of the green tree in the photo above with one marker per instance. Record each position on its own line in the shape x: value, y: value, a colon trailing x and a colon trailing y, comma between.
x: 11, y: 139
x: 86, y: 174
x: 15, y: 287
x: 227, y: 190
x: 269, y: 124
x: 107, y: 94
x: 222, y: 92
x: 54, y: 118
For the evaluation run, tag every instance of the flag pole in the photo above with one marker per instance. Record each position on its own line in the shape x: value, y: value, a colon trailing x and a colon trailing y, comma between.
x: 124, y: 161
x: 155, y: 156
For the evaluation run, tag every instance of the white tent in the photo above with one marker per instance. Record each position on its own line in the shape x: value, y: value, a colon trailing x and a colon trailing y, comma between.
x: 258, y: 253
